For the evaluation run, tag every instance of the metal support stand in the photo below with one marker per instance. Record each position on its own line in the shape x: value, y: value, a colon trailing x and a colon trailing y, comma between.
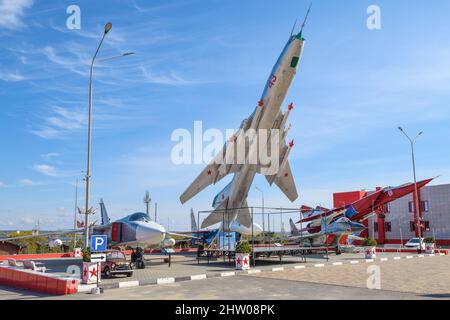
x: 253, y: 242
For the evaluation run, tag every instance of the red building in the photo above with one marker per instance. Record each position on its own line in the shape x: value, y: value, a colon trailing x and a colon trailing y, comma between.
x: 399, y: 220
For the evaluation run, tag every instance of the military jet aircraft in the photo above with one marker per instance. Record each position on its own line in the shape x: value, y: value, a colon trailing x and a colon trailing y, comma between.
x: 205, y: 235
x: 329, y: 234
x: 134, y: 230
x: 359, y: 210
x: 231, y: 203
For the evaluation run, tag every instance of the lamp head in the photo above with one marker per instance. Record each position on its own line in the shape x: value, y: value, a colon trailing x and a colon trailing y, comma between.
x: 108, y: 27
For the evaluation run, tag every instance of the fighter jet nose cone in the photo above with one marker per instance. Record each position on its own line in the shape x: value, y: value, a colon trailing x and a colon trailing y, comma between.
x: 150, y: 233
x: 356, y: 227
x: 257, y: 229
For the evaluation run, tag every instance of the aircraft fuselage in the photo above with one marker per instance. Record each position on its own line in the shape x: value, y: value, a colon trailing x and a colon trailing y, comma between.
x: 273, y: 96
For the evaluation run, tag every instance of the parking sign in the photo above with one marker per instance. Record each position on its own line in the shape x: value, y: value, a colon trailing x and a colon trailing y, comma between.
x: 99, y: 243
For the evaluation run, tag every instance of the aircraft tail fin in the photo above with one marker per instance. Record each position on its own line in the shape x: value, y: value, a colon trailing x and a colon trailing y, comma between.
x: 294, y: 230
x: 222, y: 196
x: 104, y: 213
x: 194, y: 226
x: 218, y: 215
x: 243, y: 215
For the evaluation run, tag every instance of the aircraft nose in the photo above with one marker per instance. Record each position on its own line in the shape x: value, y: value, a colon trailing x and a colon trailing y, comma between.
x: 150, y: 233
x: 257, y: 229
x: 356, y: 227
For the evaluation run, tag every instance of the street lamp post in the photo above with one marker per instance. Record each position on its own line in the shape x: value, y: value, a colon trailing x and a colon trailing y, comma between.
x: 262, y: 200
x: 108, y: 27
x: 416, y: 191
x: 75, y: 217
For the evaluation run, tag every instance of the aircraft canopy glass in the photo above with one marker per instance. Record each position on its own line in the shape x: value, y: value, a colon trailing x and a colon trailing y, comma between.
x: 139, y: 216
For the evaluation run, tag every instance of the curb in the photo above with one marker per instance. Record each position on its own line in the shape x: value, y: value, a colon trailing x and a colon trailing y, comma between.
x: 159, y: 281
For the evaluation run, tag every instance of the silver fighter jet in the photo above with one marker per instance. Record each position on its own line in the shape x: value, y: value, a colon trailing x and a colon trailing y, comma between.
x: 230, y: 204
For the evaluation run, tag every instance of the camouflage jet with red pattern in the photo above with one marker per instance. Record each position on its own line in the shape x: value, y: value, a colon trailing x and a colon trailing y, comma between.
x: 358, y: 211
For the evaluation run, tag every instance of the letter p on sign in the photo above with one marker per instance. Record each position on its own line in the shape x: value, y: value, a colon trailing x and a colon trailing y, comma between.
x: 99, y: 243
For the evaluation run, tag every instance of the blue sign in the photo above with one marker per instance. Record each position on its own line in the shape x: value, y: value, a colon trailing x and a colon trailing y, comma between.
x: 99, y: 243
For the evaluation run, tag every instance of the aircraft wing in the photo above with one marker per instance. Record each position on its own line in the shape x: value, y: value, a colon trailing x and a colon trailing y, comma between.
x: 181, y: 235
x: 43, y: 235
x: 212, y: 173
x: 306, y: 236
x: 286, y: 183
x: 329, y: 215
x: 244, y: 217
x: 283, y: 177
x: 353, y: 237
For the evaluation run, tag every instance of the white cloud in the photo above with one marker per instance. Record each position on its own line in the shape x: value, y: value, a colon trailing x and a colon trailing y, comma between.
x: 172, y: 78
x: 50, y: 155
x: 6, y: 222
x: 27, y: 220
x: 12, y: 12
x: 74, y: 63
x: 60, y: 122
x: 51, y: 171
x: 2, y: 184
x: 46, y: 170
x: 47, y: 133
x: 29, y: 182
x: 11, y: 76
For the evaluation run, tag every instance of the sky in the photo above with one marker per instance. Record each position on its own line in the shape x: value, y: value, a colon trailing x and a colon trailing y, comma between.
x: 208, y: 61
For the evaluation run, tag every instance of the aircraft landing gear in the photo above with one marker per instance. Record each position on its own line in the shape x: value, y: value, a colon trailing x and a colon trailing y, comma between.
x: 338, y: 251
x: 137, y: 258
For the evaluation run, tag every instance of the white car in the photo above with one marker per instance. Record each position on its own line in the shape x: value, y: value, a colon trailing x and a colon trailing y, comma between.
x: 416, y: 243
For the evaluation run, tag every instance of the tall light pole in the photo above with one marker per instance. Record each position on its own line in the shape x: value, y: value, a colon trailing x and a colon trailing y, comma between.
x: 416, y: 192
x: 108, y: 27
x: 75, y: 217
x: 262, y: 201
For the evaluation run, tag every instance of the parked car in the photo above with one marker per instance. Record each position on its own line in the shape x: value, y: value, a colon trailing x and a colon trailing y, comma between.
x: 416, y: 243
x: 116, y: 263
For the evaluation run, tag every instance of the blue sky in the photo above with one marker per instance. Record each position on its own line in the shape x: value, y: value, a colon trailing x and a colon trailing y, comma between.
x: 208, y: 61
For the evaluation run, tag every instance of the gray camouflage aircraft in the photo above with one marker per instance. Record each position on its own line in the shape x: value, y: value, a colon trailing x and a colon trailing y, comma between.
x: 330, y: 234
x: 134, y: 230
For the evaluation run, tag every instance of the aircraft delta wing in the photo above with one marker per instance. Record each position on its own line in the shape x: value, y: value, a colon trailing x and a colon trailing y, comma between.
x: 212, y: 173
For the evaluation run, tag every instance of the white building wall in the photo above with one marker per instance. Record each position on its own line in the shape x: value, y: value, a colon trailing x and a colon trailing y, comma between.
x: 438, y: 198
